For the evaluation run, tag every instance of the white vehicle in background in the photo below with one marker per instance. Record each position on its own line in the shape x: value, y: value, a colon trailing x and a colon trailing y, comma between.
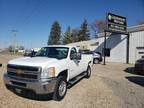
x: 21, y: 51
x: 49, y: 71
x: 35, y: 49
x: 32, y: 52
x: 97, y: 56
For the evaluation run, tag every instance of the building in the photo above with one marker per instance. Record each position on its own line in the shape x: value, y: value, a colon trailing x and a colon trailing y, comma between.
x: 117, y: 44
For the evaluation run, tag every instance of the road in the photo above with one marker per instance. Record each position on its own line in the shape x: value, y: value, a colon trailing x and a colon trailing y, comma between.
x: 111, y: 86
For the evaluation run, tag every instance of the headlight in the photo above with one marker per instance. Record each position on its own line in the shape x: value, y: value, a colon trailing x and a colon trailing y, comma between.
x: 48, y: 72
x: 51, y: 72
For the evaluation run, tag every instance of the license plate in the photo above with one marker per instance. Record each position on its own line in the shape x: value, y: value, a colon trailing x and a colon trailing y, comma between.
x: 18, y: 90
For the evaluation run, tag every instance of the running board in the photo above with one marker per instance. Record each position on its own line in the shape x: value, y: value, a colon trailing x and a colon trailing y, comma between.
x: 76, y: 79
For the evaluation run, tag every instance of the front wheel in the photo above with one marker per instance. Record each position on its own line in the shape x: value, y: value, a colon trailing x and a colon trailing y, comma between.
x: 88, y: 72
x: 61, y: 89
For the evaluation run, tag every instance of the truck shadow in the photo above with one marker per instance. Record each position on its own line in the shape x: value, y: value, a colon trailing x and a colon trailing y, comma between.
x: 136, y: 79
x: 33, y: 96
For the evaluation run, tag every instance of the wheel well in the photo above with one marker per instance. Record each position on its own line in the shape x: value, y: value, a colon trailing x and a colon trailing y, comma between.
x: 96, y: 58
x: 64, y: 73
x: 89, y: 62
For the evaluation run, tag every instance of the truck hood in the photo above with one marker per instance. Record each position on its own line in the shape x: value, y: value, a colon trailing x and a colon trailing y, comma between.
x: 33, y: 61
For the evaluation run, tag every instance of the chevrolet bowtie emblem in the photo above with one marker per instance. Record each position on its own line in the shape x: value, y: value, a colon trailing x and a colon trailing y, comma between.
x: 19, y: 71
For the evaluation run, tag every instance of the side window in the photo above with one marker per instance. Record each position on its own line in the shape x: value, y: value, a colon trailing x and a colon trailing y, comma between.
x: 73, y: 53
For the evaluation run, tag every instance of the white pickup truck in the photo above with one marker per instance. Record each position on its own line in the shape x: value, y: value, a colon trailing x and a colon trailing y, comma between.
x: 49, y: 71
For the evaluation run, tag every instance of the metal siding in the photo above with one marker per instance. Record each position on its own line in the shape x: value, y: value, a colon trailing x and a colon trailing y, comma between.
x: 136, y: 40
x: 118, y: 53
x: 117, y: 44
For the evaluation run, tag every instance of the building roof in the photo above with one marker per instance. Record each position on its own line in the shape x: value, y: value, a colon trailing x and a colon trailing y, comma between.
x: 136, y: 28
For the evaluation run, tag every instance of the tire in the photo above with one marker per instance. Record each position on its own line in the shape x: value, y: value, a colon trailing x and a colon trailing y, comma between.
x: 95, y: 61
x: 60, y: 89
x: 88, y: 72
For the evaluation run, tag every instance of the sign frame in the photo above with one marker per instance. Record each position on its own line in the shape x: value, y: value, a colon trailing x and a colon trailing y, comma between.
x: 116, y: 23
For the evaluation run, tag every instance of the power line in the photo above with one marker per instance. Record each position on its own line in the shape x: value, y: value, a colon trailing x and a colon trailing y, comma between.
x: 25, y: 21
x: 29, y: 16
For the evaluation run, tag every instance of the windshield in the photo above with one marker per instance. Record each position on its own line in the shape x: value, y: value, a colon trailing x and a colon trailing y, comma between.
x: 53, y: 52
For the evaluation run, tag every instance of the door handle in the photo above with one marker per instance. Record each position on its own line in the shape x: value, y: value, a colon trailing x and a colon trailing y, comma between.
x: 78, y: 61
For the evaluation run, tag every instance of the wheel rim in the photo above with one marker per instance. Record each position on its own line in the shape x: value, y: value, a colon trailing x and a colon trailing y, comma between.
x: 95, y: 61
x: 62, y: 88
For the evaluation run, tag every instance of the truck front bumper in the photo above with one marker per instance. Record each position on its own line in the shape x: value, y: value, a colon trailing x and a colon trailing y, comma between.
x: 38, y: 87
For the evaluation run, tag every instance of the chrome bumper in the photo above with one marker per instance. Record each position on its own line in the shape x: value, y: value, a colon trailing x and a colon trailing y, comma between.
x: 39, y: 87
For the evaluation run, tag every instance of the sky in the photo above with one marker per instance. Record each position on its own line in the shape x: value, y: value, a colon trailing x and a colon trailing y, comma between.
x: 32, y: 19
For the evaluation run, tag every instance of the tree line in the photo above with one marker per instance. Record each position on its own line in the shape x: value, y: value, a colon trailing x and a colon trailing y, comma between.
x: 74, y: 35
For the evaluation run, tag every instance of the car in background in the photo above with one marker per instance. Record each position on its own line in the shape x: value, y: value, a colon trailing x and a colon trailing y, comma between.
x: 97, y: 56
x: 139, y: 66
x: 30, y: 53
x: 21, y: 51
x: 27, y: 53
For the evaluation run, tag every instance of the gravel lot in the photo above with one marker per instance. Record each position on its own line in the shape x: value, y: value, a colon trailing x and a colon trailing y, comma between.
x: 112, y: 86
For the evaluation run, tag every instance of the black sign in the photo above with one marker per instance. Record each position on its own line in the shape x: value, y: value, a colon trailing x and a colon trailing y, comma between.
x: 106, y: 52
x: 116, y: 23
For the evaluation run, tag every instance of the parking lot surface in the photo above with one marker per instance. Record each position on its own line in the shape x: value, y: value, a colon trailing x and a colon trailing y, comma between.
x: 114, y: 85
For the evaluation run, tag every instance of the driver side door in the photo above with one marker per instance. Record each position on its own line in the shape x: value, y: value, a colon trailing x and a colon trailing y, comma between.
x: 73, y: 64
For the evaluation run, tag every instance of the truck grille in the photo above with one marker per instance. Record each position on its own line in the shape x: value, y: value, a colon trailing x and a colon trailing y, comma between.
x: 26, y: 68
x: 23, y: 72
x: 29, y: 76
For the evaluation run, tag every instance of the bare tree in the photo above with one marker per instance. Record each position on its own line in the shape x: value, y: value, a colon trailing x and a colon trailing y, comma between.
x: 98, y: 26
x: 75, y: 33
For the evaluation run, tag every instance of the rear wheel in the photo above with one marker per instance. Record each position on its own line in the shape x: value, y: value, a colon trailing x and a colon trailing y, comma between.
x: 61, y: 89
x: 88, y: 72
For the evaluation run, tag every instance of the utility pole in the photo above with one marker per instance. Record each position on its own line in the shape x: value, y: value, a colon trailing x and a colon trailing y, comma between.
x: 14, y: 39
x: 127, y: 49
